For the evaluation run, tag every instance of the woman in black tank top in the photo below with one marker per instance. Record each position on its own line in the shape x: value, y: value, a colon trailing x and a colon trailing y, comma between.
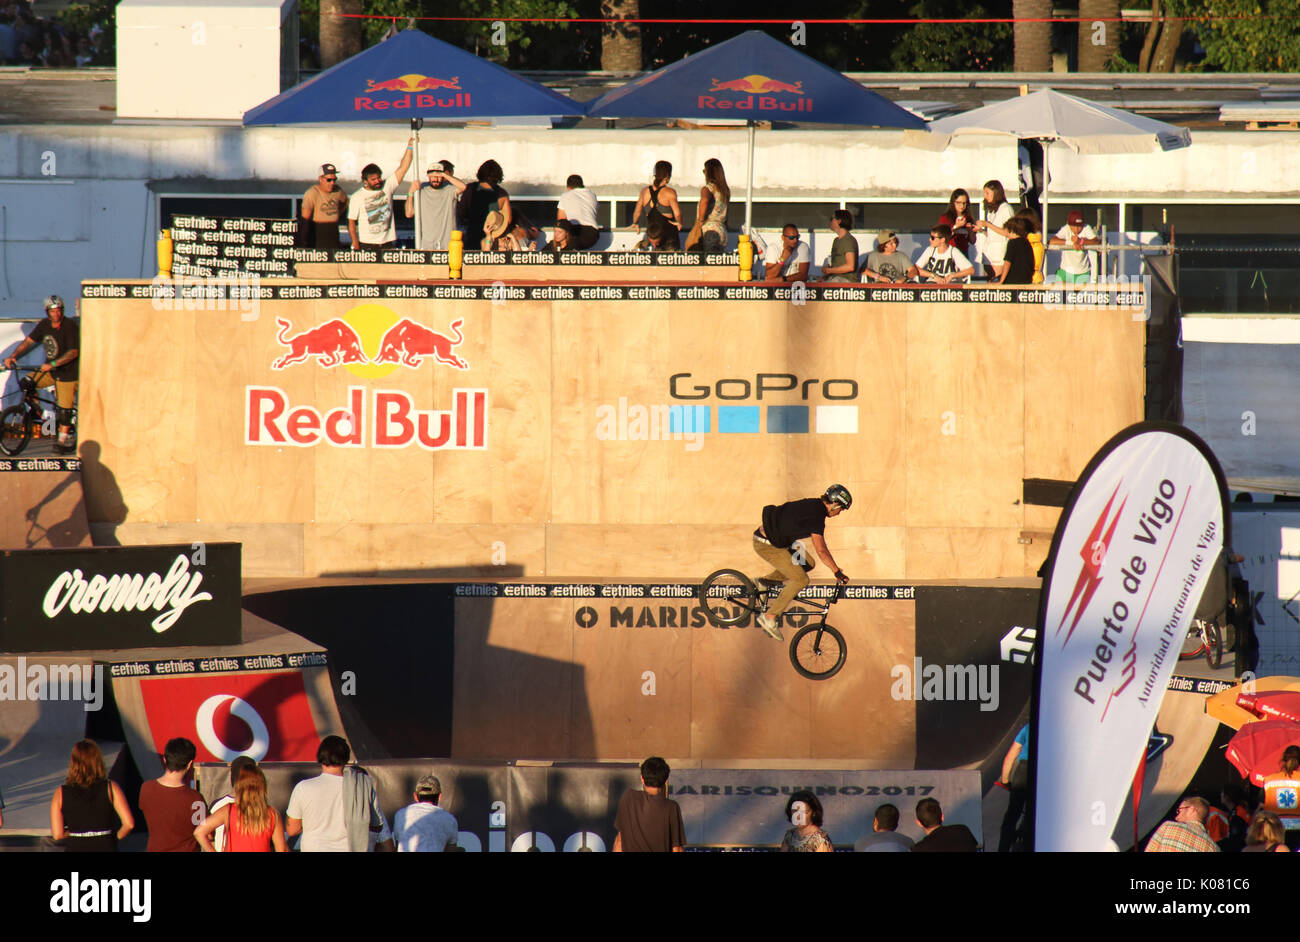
x: 89, y: 813
x: 658, y: 199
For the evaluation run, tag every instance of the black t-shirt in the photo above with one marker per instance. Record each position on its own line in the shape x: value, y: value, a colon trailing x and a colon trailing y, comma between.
x: 649, y: 823
x: 1020, y: 256
x: 948, y: 839
x: 57, y: 342
x: 794, y: 520
x: 482, y: 200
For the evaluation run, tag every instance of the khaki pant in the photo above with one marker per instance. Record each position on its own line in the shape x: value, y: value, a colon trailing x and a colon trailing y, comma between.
x: 65, y: 391
x: 786, y: 570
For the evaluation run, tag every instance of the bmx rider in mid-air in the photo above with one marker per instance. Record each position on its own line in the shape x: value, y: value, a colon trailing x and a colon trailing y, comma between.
x: 777, y: 541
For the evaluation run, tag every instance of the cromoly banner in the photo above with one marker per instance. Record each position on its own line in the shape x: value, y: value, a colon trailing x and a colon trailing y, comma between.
x: 1131, y: 556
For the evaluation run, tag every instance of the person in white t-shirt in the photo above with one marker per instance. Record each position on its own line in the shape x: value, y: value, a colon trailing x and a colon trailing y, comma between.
x: 1075, y: 266
x: 316, y: 805
x: 991, y: 243
x: 942, y: 262
x: 792, y: 264
x: 423, y: 826
x: 579, y: 206
x: 371, y: 223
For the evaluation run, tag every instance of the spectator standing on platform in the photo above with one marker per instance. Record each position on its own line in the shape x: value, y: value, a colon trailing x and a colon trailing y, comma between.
x: 660, y: 236
x: 171, y: 808
x: 804, y: 812
x: 1015, y: 776
x: 485, y: 196
x: 61, y: 338
x: 940, y: 837
x: 1186, y: 832
x: 578, y: 205
x: 884, y: 837
x: 370, y: 209
x: 89, y: 813
x: 325, y: 206
x: 1074, y: 238
x: 658, y: 199
x: 438, y: 198
x: 337, y: 810
x: 251, y: 825
x: 992, y: 238
x: 792, y: 264
x: 960, y: 218
x: 843, y: 263
x: 648, y: 821
x: 887, y: 264
x: 1266, y: 835
x: 423, y: 826
x: 941, y: 263
x: 236, y: 766
x: 709, y: 234
x: 1019, y: 269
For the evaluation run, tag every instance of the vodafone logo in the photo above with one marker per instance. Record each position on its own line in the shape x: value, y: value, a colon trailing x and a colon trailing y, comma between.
x: 205, y: 724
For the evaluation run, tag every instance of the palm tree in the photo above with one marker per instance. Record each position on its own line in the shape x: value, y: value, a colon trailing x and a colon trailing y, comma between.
x: 1094, y: 17
x: 340, y: 36
x: 1033, y: 40
x: 1163, y: 36
x: 620, y: 43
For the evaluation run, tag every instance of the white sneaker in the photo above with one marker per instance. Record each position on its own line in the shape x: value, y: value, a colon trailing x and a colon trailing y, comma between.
x: 770, y: 626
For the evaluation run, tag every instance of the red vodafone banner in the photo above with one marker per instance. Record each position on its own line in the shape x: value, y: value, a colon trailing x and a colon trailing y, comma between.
x: 1133, y: 551
x: 265, y: 715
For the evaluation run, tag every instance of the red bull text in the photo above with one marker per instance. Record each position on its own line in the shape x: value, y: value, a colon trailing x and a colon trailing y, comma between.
x: 391, y: 422
x: 758, y: 91
x: 415, y: 93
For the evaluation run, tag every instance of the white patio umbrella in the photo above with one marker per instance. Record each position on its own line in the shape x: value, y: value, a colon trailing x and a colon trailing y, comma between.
x: 1051, y: 117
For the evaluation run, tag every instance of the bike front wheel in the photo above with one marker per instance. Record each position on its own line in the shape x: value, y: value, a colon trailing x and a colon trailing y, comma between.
x: 728, y: 597
x: 818, y: 651
x: 1193, y: 644
x: 15, y: 429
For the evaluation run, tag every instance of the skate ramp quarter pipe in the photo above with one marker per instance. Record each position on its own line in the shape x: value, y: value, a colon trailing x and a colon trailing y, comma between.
x: 622, y: 671
x: 43, y: 504
x: 625, y: 431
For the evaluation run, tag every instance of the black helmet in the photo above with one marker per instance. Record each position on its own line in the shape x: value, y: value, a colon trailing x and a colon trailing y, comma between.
x: 838, y: 494
x: 55, y: 301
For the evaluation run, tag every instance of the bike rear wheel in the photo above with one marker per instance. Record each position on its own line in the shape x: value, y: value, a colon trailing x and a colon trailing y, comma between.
x: 728, y: 597
x: 1213, y: 645
x: 818, y: 651
x: 15, y: 429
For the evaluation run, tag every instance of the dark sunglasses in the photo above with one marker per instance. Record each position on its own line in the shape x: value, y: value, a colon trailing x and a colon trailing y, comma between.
x: 329, y: 179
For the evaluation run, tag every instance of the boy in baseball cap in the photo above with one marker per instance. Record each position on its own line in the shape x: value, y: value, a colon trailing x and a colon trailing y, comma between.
x: 1074, y: 238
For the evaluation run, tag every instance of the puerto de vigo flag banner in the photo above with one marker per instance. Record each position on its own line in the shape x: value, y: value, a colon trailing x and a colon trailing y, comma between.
x: 1132, y: 553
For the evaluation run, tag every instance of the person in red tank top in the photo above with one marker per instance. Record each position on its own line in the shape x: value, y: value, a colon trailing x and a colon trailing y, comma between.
x: 252, y: 825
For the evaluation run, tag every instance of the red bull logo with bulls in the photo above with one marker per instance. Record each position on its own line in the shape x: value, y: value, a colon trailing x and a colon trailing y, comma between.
x: 411, y: 91
x: 758, y: 93
x: 370, y: 341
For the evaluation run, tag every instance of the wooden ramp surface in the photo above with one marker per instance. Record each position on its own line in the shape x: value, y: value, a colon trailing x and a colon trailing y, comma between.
x: 42, y: 509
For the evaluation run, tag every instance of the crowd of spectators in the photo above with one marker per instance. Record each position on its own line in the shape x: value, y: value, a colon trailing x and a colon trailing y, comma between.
x: 29, y: 40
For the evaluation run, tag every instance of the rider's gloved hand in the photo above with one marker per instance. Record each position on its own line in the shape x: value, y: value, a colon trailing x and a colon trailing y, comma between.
x: 840, y: 577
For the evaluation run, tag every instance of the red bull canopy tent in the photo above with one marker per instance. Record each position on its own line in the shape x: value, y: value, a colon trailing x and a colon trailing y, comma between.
x: 411, y: 75
x: 756, y: 78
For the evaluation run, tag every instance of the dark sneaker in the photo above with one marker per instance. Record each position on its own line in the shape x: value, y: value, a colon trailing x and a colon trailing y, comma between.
x: 770, y: 626
x: 60, y: 449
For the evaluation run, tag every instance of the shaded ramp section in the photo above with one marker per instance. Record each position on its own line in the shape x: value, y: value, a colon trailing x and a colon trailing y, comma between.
x: 36, y: 738
x: 42, y: 509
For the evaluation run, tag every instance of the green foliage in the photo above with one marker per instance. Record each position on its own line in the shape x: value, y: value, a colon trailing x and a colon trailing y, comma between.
x: 954, y: 47
x: 1253, y: 36
x: 82, y: 16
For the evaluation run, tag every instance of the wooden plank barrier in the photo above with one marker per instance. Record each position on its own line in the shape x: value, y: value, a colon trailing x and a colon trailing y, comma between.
x: 593, y: 430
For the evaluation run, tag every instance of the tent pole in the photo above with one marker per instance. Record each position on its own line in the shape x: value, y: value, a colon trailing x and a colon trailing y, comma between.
x: 749, y: 184
x: 417, y: 178
x: 1047, y: 150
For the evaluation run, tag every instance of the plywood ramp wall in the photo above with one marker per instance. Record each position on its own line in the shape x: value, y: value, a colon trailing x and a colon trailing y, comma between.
x: 574, y: 466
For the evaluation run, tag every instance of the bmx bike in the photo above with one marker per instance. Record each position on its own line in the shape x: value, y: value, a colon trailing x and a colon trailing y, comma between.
x: 17, y: 421
x: 817, y: 650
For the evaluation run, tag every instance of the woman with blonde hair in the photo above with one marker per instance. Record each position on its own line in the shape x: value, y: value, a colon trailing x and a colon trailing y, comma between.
x: 710, y: 230
x: 252, y: 825
x: 1266, y: 835
x: 89, y: 813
